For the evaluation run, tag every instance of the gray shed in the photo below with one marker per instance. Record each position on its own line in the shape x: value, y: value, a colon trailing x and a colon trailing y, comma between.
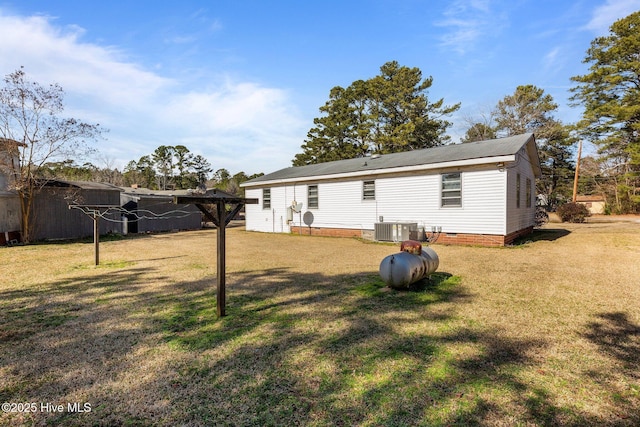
x: 154, y: 211
x: 53, y: 220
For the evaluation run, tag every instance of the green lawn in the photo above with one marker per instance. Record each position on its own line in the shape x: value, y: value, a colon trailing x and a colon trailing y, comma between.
x: 543, y: 333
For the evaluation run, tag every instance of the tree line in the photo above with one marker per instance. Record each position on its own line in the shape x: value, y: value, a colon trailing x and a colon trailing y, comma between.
x: 388, y: 113
x: 167, y: 168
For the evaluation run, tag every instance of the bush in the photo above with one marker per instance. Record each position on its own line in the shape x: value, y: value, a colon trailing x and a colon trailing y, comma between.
x: 573, y: 212
x: 542, y: 217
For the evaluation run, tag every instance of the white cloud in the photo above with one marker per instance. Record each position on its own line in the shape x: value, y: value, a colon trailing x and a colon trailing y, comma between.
x: 51, y: 54
x: 467, y: 22
x: 552, y: 59
x: 612, y: 10
x: 236, y: 125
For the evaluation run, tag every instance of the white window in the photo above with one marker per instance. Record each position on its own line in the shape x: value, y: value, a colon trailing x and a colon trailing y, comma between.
x: 529, y: 192
x: 312, y: 196
x: 369, y: 190
x: 266, y: 198
x: 518, y: 191
x: 451, y: 190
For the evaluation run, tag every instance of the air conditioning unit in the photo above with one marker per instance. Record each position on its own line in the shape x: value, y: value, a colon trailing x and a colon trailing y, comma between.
x: 394, y: 231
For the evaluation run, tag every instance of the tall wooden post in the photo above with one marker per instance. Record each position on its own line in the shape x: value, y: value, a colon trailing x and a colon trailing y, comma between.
x: 575, y: 178
x: 221, y: 219
x: 222, y: 256
x: 94, y: 212
x: 96, y: 236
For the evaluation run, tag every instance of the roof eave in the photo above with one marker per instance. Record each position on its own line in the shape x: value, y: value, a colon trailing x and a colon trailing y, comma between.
x: 532, y: 151
x: 386, y: 171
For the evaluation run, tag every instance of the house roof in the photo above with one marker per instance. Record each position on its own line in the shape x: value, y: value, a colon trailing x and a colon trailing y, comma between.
x: 502, y: 149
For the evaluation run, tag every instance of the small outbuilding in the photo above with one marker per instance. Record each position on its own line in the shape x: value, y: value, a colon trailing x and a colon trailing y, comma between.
x: 53, y: 220
x: 594, y: 203
x: 154, y: 211
x: 473, y: 193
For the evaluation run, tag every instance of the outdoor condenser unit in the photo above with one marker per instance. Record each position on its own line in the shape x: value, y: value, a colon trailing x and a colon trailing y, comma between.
x: 394, y: 231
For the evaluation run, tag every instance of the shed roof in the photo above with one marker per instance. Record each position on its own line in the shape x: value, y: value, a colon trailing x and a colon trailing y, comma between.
x: 440, y: 155
x: 139, y: 193
x: 85, y: 185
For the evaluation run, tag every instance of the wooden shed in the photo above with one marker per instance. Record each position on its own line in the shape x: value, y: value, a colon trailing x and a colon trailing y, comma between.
x: 154, y: 211
x: 53, y: 220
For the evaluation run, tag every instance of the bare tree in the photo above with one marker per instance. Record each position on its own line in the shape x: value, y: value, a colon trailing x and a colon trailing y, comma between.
x: 480, y: 126
x: 30, y: 119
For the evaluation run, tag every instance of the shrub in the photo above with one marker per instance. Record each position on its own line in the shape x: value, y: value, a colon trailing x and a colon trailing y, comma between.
x: 573, y: 212
x: 542, y: 217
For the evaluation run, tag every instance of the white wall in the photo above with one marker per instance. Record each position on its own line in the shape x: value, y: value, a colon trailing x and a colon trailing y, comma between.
x: 522, y: 217
x: 409, y: 198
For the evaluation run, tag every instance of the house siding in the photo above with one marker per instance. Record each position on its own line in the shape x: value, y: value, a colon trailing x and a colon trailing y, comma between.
x: 408, y: 188
x: 409, y: 198
x: 273, y: 219
x: 519, y: 218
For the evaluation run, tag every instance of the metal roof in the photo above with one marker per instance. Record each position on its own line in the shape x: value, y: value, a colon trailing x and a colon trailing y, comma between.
x: 148, y: 193
x: 508, y: 146
x: 85, y: 185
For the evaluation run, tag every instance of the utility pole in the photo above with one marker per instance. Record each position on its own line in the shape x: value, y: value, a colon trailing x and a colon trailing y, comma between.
x: 575, y: 179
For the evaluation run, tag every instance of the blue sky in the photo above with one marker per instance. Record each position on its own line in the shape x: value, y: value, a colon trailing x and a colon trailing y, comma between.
x: 240, y: 82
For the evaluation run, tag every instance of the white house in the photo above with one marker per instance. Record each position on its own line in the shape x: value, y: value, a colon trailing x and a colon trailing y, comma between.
x: 476, y: 193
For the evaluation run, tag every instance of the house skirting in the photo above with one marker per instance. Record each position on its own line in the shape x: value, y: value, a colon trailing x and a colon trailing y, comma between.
x: 332, y: 232
x: 444, y: 238
x: 482, y: 239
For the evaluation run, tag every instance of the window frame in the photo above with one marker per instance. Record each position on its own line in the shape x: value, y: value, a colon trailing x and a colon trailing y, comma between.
x: 266, y: 198
x: 518, y: 192
x: 446, y: 178
x: 529, y: 192
x: 313, y: 201
x: 368, y: 193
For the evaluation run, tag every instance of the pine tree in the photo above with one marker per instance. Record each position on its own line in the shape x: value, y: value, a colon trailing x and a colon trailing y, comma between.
x: 610, y: 95
x: 385, y: 114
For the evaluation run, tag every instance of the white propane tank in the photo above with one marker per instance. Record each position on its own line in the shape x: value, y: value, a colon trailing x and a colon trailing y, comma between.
x: 402, y: 269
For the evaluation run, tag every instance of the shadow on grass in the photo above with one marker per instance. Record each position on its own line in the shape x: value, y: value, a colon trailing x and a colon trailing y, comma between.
x: 543, y: 234
x: 295, y: 349
x: 617, y: 337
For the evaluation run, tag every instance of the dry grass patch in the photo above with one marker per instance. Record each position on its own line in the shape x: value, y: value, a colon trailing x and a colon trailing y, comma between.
x: 543, y: 333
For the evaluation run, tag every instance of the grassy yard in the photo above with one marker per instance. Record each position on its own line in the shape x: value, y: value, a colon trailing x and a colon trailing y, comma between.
x: 543, y: 333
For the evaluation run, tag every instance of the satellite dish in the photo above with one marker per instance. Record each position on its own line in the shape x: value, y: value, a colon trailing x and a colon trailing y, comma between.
x: 297, y: 207
x: 308, y: 218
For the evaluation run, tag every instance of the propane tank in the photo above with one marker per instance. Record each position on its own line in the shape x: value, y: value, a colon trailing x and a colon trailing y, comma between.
x: 409, y: 266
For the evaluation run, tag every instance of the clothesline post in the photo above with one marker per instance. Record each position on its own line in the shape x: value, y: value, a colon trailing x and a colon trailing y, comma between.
x: 93, y: 211
x: 220, y: 219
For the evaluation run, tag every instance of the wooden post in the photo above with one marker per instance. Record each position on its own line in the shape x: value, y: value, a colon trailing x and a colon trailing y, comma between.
x: 575, y: 179
x: 222, y: 227
x: 93, y: 211
x: 221, y: 219
x: 96, y: 236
